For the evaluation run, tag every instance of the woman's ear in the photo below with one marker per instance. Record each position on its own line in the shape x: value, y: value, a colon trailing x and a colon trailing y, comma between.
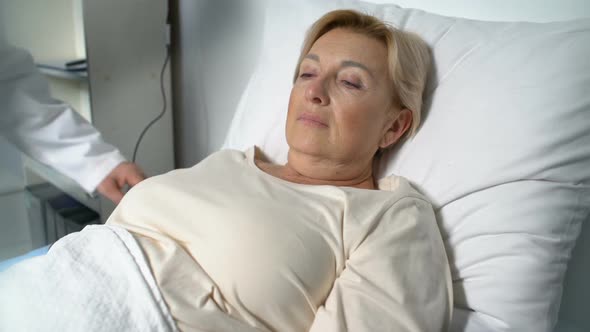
x: 398, y: 127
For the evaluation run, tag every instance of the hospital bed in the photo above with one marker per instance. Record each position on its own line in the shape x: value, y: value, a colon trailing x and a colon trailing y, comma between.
x: 503, y: 152
x: 511, y: 190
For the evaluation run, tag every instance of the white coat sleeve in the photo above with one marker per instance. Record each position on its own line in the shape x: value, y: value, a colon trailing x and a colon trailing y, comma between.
x: 46, y: 129
x: 396, y: 279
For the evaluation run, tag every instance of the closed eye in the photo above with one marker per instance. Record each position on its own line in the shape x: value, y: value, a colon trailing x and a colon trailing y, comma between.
x: 306, y: 75
x: 351, y: 85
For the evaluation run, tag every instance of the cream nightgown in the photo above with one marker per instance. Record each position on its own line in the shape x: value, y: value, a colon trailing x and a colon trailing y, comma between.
x: 233, y: 248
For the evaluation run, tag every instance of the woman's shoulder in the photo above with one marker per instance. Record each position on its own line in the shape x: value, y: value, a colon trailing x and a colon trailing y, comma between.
x: 401, y: 186
x: 229, y: 155
x: 220, y: 161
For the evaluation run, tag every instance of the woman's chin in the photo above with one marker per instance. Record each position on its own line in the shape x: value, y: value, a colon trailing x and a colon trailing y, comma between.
x: 308, y: 147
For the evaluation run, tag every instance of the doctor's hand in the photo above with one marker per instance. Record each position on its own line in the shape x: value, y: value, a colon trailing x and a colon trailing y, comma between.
x: 125, y: 173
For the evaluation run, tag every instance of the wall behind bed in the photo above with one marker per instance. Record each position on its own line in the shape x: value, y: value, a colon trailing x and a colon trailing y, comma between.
x: 216, y: 45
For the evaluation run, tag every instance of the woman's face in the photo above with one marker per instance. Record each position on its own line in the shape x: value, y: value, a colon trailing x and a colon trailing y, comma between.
x: 341, y: 103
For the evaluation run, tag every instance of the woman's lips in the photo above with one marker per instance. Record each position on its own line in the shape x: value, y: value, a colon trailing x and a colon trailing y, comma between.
x: 312, y: 120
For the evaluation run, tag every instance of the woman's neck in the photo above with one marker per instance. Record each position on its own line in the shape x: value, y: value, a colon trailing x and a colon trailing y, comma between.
x: 363, y: 181
x: 316, y: 171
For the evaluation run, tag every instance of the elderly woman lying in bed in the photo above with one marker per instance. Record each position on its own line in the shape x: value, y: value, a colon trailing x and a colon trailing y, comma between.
x: 237, y: 243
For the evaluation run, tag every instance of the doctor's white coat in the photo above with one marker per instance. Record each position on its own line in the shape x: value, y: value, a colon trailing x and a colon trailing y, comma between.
x: 46, y: 129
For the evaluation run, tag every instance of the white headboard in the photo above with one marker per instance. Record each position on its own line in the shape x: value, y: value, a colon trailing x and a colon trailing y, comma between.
x: 503, y: 10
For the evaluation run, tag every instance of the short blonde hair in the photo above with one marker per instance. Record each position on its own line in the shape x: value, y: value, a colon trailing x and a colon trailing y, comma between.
x: 408, y: 55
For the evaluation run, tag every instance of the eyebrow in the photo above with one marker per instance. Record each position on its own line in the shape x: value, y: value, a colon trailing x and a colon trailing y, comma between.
x: 345, y: 63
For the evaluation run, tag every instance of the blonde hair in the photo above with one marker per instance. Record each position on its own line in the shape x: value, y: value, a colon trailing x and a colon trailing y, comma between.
x: 408, y: 55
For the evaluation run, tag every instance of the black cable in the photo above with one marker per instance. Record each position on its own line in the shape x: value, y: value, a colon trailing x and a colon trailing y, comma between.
x: 162, y: 89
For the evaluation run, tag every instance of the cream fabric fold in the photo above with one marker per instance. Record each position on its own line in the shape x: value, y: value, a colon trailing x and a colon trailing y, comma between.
x: 233, y: 248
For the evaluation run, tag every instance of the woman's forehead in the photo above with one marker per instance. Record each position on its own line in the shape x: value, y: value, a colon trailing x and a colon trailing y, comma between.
x: 350, y: 47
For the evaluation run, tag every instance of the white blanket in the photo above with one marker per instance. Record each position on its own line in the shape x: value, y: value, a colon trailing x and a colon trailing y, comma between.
x: 95, y: 280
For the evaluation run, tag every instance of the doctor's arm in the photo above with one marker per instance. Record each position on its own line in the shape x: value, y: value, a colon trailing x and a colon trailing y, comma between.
x: 51, y: 132
x: 396, y: 279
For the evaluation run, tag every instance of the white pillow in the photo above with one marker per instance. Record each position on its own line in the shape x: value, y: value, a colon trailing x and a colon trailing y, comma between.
x: 503, y: 152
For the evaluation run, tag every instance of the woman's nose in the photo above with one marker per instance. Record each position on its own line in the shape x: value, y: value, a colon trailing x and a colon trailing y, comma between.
x: 316, y: 92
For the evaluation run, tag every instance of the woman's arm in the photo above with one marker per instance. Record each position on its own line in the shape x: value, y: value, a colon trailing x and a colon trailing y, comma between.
x: 397, y: 279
